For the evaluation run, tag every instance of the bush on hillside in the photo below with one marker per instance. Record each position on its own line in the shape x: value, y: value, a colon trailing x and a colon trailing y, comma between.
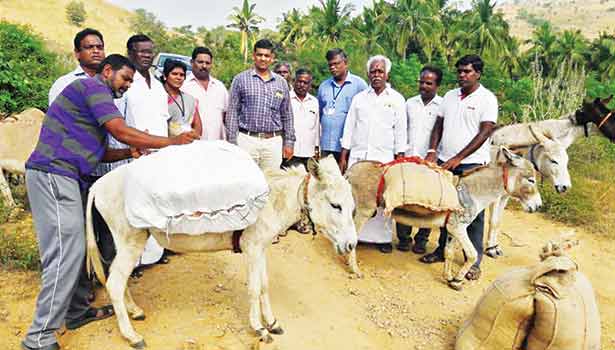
x: 27, y: 69
x: 75, y: 13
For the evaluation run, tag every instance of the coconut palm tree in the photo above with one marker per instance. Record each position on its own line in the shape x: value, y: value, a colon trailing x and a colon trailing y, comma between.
x: 571, y: 45
x: 542, y: 41
x: 330, y: 19
x: 603, y: 56
x: 294, y: 29
x: 246, y: 21
x: 488, y: 31
x: 417, y: 27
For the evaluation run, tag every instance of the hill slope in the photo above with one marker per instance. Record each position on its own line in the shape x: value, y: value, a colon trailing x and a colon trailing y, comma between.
x: 590, y: 16
x: 49, y: 19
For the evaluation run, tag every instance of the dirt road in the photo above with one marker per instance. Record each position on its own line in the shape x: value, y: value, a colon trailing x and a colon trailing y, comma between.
x: 199, y: 301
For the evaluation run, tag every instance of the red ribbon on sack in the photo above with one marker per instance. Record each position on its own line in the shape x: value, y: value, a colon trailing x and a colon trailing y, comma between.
x: 412, y: 159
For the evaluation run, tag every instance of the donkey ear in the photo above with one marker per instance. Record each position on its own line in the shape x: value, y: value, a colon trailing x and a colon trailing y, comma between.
x: 568, y: 139
x: 510, y: 156
x: 605, y: 101
x: 542, y: 136
x: 313, y: 167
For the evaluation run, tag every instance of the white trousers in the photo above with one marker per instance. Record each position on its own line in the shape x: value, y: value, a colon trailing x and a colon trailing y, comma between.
x: 267, y: 153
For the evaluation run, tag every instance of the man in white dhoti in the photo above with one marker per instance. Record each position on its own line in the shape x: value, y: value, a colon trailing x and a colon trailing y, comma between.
x: 375, y: 130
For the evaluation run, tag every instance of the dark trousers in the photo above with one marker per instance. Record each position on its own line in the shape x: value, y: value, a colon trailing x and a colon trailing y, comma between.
x: 476, y: 228
x: 403, y: 234
x: 295, y: 161
x: 335, y: 155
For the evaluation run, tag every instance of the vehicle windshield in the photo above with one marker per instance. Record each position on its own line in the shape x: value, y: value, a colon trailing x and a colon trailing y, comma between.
x: 185, y: 60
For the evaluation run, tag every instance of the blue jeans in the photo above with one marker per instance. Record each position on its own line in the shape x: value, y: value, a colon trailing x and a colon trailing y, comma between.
x: 476, y: 228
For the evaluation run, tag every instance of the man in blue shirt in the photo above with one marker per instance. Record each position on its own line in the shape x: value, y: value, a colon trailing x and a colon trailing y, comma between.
x: 334, y: 97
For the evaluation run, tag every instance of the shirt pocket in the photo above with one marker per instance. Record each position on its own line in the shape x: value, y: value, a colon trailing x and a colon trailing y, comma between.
x: 277, y: 95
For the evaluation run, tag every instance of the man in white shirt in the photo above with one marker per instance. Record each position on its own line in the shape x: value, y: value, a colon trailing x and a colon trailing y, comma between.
x: 209, y: 92
x: 89, y: 47
x: 375, y: 129
x: 422, y: 111
x: 465, y: 122
x: 145, y: 107
x: 306, y: 119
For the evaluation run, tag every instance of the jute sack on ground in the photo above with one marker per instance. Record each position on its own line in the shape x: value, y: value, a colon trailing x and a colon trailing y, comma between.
x: 420, y: 189
x: 502, y: 318
x: 547, y: 306
x: 566, y: 314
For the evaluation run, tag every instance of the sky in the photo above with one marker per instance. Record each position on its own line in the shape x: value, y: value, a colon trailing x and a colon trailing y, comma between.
x: 212, y: 13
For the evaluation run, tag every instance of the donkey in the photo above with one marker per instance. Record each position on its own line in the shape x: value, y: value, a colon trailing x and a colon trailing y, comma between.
x: 320, y: 198
x: 550, y: 159
x: 511, y: 175
x: 591, y: 118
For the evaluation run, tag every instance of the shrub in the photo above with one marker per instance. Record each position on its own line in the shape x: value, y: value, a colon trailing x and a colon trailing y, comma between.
x: 75, y: 13
x: 27, y: 69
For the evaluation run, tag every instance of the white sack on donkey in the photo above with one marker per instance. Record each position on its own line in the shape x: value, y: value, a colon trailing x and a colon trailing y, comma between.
x: 209, y: 193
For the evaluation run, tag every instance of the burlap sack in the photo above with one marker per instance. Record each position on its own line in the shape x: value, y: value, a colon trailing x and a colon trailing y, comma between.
x: 502, y: 318
x: 547, y: 306
x: 420, y: 189
x: 566, y: 316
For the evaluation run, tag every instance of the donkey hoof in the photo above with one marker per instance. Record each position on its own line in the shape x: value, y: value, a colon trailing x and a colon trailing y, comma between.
x: 455, y: 284
x: 494, y: 252
x: 139, y: 345
x: 267, y: 339
x: 139, y: 317
x: 277, y: 330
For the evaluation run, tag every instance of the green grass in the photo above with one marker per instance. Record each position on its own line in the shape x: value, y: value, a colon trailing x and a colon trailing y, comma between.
x: 591, y: 201
x: 18, y: 244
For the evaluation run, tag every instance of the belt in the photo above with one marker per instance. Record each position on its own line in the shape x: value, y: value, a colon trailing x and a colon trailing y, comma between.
x: 261, y: 135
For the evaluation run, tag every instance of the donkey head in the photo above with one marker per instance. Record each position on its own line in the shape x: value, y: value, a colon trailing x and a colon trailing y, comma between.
x: 551, y: 160
x: 598, y: 113
x: 521, y: 181
x: 330, y: 203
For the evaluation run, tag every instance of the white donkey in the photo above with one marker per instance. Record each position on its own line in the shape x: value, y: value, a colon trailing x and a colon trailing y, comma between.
x: 550, y: 159
x: 511, y: 175
x: 321, y: 197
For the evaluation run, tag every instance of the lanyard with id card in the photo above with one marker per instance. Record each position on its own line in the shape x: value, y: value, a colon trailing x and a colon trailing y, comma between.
x: 330, y: 107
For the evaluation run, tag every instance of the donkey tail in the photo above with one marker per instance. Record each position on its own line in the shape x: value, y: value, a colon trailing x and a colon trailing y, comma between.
x: 93, y: 260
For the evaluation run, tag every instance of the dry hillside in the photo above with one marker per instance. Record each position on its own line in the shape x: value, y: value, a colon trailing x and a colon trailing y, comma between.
x: 49, y: 19
x: 590, y: 16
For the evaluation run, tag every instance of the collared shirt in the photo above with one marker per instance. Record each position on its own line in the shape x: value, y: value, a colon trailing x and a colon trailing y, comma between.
x: 259, y: 106
x: 307, y: 124
x: 334, y: 101
x: 376, y: 126
x: 143, y: 108
x: 421, y: 119
x: 213, y: 104
x: 462, y: 118
x: 63, y: 82
x: 73, y: 139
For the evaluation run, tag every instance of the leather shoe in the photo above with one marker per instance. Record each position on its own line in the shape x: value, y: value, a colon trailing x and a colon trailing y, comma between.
x: 53, y: 346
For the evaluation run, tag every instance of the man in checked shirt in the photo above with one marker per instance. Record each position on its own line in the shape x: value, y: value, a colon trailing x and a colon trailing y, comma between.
x: 259, y: 117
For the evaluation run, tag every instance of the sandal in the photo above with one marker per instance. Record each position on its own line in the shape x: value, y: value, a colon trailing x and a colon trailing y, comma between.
x: 473, y: 274
x: 136, y: 273
x: 163, y: 260
x: 91, y: 315
x: 432, y: 258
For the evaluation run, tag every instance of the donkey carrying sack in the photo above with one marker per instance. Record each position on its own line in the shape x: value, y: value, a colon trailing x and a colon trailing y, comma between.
x: 418, y: 187
x: 548, y: 306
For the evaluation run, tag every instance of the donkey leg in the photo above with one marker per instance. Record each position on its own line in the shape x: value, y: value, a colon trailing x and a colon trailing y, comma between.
x: 449, y: 256
x: 496, y: 210
x: 255, y: 258
x: 5, y: 190
x: 471, y: 257
x: 273, y: 326
x: 135, y: 312
x: 128, y: 253
x: 351, y: 258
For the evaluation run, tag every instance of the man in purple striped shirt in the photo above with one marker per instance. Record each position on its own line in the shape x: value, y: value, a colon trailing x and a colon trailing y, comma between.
x: 72, y: 142
x: 259, y: 117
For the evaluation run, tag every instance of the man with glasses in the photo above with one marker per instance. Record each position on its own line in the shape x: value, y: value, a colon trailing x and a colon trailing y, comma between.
x: 89, y: 50
x: 334, y: 97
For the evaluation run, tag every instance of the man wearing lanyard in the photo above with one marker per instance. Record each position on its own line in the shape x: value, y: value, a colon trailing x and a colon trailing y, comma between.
x: 334, y: 97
